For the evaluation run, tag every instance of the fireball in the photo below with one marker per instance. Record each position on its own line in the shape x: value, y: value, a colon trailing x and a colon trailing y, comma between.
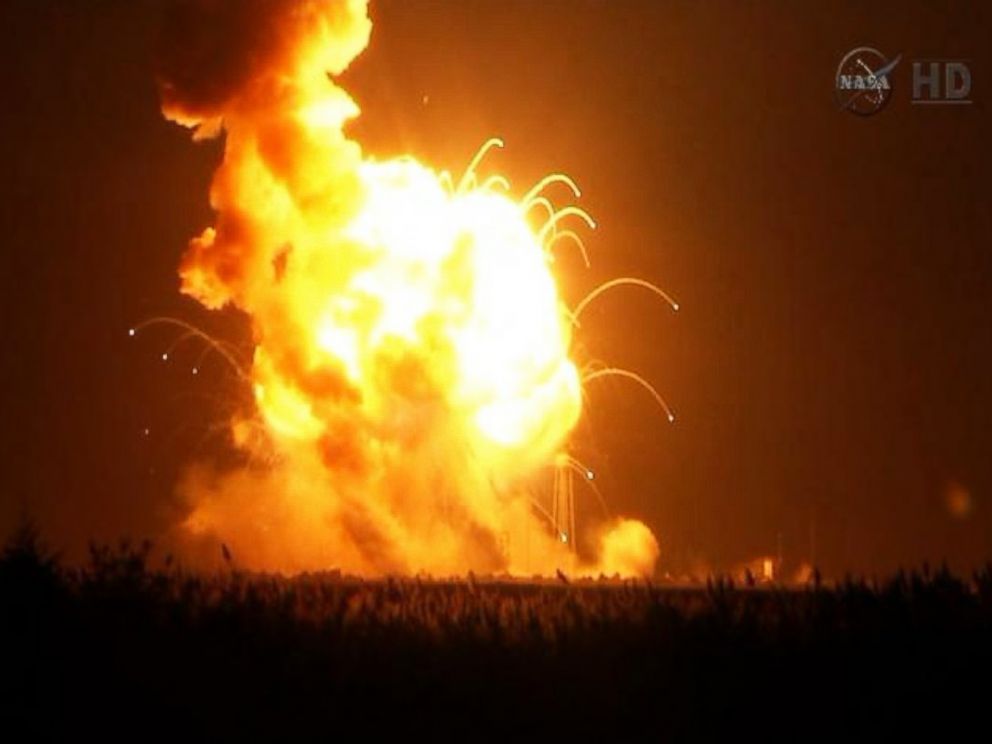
x: 411, y: 370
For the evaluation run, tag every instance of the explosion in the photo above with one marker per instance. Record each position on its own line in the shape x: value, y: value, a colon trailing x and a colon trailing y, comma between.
x: 411, y: 373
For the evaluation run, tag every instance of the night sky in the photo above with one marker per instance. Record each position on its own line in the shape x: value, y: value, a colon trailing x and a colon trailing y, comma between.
x: 831, y: 367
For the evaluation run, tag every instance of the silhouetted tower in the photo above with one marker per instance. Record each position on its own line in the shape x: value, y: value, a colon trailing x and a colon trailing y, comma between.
x: 563, y: 505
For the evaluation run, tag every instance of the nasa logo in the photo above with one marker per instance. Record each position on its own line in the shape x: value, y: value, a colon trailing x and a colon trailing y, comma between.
x: 862, y: 81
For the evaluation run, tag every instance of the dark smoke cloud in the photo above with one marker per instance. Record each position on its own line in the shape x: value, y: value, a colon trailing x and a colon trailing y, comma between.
x: 212, y: 52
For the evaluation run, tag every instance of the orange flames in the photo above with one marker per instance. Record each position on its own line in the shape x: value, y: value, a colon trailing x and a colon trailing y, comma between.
x: 411, y: 371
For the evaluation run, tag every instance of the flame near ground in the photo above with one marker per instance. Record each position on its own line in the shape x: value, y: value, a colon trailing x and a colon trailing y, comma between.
x: 411, y: 371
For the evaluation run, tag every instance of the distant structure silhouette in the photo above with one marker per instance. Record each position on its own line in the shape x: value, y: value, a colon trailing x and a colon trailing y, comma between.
x: 563, y: 505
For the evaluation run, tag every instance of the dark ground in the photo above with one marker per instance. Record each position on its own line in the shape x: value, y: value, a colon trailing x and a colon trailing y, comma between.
x: 121, y: 649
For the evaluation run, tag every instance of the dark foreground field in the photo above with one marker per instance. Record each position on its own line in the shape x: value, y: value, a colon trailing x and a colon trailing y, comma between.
x: 123, y: 650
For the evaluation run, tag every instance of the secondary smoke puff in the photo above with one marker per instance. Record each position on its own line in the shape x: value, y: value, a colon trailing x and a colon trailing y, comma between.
x: 628, y: 548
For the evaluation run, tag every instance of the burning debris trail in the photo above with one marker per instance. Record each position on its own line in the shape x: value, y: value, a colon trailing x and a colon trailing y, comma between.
x: 411, y: 366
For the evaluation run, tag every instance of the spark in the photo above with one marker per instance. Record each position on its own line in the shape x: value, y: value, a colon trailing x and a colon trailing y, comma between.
x: 574, y: 237
x: 539, y: 201
x: 587, y: 477
x: 566, y: 462
x: 547, y: 181
x: 544, y: 512
x: 561, y: 214
x: 225, y: 350
x: 626, y: 373
x: 468, y: 179
x: 621, y: 281
x: 492, y: 182
x: 556, y: 234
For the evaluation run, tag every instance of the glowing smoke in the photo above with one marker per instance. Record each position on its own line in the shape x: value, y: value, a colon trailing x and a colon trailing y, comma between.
x: 411, y: 371
x: 628, y: 548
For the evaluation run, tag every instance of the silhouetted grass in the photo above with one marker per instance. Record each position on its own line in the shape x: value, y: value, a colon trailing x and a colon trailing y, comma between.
x: 117, y: 647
